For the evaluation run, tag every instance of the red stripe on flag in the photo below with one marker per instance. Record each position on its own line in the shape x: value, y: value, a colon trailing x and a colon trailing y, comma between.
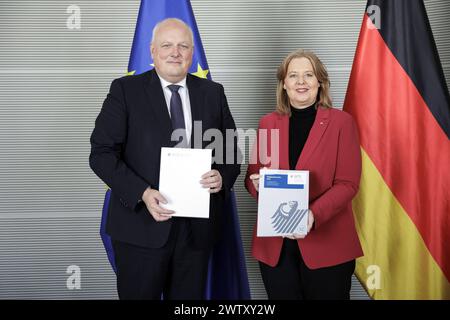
x: 403, y: 139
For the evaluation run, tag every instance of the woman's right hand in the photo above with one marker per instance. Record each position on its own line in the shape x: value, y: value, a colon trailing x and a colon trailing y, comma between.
x: 255, y: 180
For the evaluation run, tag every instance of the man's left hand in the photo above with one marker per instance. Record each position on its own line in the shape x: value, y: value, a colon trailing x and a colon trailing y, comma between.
x: 212, y: 180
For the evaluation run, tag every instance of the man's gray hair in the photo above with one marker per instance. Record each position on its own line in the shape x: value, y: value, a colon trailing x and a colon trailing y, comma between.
x: 168, y: 20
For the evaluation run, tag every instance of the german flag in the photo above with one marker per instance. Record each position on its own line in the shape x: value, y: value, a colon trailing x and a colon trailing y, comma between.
x: 399, y: 98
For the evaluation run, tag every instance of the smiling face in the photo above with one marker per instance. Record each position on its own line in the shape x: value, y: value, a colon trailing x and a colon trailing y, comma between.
x: 172, y: 50
x: 301, y: 83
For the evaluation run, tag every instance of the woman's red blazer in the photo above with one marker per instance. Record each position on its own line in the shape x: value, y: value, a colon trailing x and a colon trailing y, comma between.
x: 333, y: 157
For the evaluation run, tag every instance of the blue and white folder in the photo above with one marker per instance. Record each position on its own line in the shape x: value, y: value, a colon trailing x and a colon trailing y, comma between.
x: 282, y: 202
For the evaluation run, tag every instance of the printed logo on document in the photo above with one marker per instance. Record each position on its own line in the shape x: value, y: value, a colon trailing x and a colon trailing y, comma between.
x: 287, y: 217
x: 295, y: 178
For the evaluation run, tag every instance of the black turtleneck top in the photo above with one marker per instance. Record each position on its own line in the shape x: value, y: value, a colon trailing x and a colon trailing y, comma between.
x: 300, y: 124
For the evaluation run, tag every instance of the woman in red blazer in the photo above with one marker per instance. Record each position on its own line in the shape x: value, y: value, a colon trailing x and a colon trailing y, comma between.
x: 312, y: 136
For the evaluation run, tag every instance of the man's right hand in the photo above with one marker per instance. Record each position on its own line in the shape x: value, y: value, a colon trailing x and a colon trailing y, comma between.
x: 152, y: 198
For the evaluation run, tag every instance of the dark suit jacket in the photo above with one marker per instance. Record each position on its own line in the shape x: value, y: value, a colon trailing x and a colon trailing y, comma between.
x: 130, y: 130
x: 333, y: 157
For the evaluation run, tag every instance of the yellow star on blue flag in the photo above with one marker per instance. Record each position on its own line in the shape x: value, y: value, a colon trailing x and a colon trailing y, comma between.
x: 200, y: 72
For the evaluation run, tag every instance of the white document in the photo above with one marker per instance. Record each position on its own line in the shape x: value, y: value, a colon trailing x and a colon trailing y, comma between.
x: 179, y: 181
x: 282, y: 202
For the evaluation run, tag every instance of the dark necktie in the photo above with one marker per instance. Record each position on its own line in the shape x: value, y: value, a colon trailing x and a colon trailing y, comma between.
x: 176, y: 108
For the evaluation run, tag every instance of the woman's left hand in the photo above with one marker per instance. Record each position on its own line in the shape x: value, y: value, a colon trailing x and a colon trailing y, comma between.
x: 295, y: 236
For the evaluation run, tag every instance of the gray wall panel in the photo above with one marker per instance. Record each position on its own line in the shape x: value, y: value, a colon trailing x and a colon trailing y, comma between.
x: 53, y: 81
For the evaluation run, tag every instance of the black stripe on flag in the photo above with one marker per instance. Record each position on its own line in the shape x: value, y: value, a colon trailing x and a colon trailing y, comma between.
x: 406, y: 30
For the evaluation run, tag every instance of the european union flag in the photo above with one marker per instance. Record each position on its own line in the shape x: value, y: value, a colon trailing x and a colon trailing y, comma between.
x: 227, y: 274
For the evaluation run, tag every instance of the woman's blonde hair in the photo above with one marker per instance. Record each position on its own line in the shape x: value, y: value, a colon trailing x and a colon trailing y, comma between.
x: 324, y: 99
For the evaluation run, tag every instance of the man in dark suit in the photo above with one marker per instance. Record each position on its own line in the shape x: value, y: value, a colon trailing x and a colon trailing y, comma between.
x: 155, y: 253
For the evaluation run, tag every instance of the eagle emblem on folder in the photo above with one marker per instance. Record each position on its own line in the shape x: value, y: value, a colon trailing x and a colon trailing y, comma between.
x: 287, y: 217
